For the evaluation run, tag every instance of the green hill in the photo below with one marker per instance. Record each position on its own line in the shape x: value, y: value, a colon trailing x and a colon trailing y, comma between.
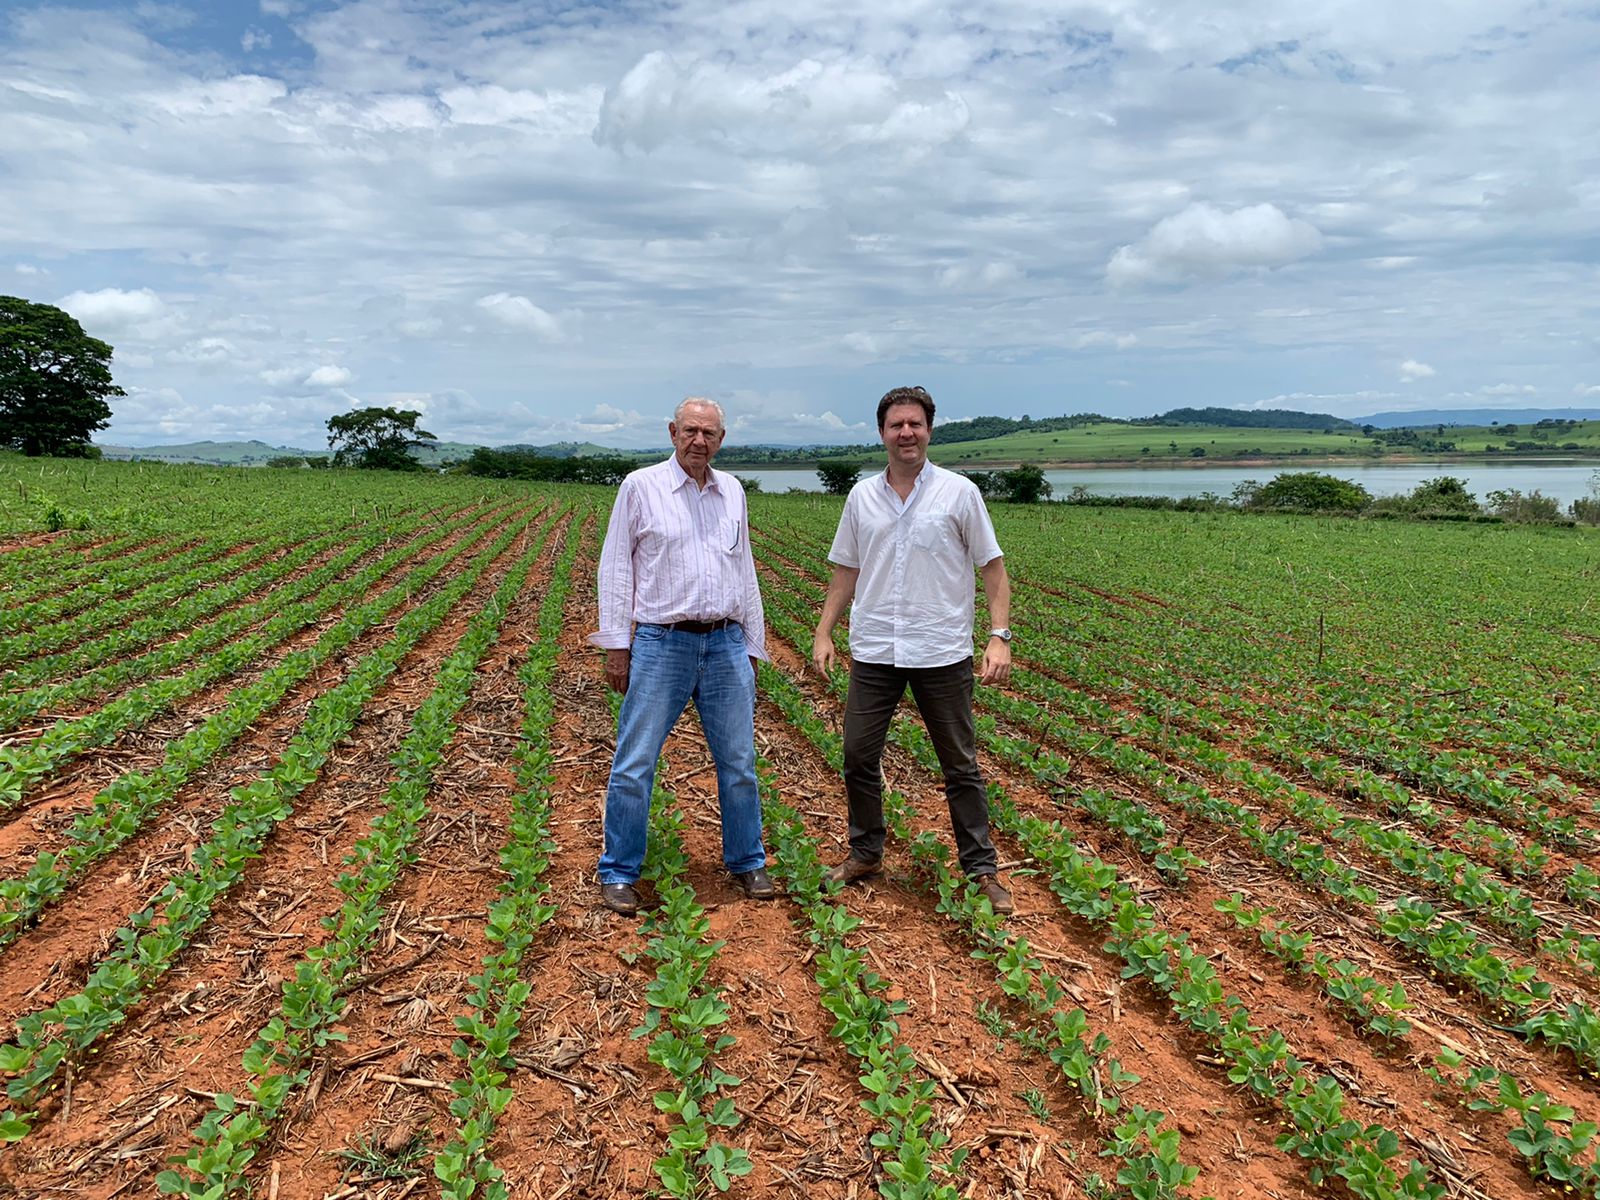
x: 257, y: 453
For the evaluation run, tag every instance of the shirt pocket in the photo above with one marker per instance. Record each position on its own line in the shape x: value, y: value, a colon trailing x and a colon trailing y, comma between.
x: 932, y: 531
x: 730, y: 534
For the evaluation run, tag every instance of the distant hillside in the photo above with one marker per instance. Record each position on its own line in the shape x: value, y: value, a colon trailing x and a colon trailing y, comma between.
x: 1254, y: 418
x: 251, y: 453
x: 570, y: 450
x: 1475, y: 416
x: 980, y: 429
x: 257, y: 454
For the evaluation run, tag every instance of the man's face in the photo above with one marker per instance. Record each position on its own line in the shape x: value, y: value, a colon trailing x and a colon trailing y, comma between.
x: 696, y: 437
x: 905, y: 435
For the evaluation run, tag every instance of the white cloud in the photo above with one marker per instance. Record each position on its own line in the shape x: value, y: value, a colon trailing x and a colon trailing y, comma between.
x: 1508, y: 389
x: 815, y: 103
x: 210, y: 350
x: 1205, y: 242
x: 328, y: 376
x: 1335, y: 402
x: 1587, y: 390
x: 1411, y: 370
x: 27, y: 269
x: 1099, y: 337
x: 979, y: 276
x: 418, y: 327
x: 521, y: 313
x: 791, y: 202
x: 283, y: 376
x: 113, y: 309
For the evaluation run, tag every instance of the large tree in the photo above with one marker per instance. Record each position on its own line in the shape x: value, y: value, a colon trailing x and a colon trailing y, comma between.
x: 378, y: 438
x: 838, y: 477
x: 54, y: 380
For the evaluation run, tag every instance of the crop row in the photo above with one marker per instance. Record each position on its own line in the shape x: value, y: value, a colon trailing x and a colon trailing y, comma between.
x: 1453, y: 874
x: 1476, y: 626
x: 1151, y: 1166
x: 28, y: 573
x: 153, y: 938
x: 1374, y: 720
x: 1376, y: 1005
x: 1484, y: 970
x: 463, y: 1166
x: 21, y: 765
x: 1358, y: 1154
x: 314, y: 999
x: 109, y: 580
x: 683, y: 1013
x: 88, y: 674
x: 35, y: 646
x: 865, y: 1018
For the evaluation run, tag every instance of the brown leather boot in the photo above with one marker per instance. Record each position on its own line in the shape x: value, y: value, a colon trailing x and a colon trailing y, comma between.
x: 852, y: 869
x: 999, y: 899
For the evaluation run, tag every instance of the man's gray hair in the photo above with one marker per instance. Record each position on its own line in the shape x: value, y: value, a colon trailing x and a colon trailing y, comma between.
x: 677, y: 413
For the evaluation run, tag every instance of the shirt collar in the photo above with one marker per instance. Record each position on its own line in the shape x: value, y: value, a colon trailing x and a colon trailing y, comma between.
x: 923, y: 475
x: 681, y: 477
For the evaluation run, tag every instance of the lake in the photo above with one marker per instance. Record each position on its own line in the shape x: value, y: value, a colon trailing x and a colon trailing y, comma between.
x: 1565, y: 481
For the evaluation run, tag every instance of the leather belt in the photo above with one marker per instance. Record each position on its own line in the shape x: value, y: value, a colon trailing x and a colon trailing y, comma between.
x: 701, y: 626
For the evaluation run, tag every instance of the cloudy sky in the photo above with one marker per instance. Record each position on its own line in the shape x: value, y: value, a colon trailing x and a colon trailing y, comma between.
x: 539, y: 221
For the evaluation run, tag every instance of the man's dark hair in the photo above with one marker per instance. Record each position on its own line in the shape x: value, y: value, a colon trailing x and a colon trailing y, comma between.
x: 905, y: 395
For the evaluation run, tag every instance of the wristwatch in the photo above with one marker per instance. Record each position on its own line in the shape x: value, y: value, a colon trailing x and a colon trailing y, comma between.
x: 1003, y: 634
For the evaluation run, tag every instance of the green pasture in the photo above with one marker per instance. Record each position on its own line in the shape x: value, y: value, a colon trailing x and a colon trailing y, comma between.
x: 1582, y: 437
x: 1111, y: 442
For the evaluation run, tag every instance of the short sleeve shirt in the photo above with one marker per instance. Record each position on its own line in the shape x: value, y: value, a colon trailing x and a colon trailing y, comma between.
x: 914, y: 599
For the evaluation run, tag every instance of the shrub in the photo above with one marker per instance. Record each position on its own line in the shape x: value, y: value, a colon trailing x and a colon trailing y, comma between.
x: 1535, y: 508
x: 1024, y: 485
x: 838, y: 477
x: 1445, y: 496
x: 1311, y: 491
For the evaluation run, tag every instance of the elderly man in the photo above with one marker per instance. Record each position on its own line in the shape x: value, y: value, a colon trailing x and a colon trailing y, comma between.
x: 681, y: 620
x: 905, y: 551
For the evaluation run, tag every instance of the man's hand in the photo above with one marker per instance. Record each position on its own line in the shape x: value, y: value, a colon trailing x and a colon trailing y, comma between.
x: 822, y: 653
x: 996, y: 667
x: 841, y: 590
x: 617, y: 669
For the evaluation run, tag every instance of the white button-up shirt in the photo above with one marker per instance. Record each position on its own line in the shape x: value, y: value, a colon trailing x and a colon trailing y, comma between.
x: 677, y: 552
x: 914, y: 598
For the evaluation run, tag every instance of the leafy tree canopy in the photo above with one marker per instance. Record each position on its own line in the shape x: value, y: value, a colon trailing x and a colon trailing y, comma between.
x: 1255, y: 418
x: 54, y: 380
x: 377, y: 438
x: 1020, y: 485
x: 516, y: 464
x: 838, y: 477
x: 1312, y: 491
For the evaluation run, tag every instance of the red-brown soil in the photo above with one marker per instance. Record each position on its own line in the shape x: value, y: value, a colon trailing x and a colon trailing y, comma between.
x: 582, y: 1123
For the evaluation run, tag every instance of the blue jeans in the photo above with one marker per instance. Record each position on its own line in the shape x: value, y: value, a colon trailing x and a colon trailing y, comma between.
x: 667, y: 669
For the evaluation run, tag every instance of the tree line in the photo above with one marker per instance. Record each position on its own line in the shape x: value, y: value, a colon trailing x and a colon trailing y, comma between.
x: 1443, y: 499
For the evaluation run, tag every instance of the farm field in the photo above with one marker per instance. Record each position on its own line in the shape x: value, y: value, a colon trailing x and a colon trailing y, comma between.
x: 300, y: 787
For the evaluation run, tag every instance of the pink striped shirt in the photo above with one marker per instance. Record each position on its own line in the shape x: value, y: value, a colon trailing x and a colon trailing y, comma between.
x: 677, y: 552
